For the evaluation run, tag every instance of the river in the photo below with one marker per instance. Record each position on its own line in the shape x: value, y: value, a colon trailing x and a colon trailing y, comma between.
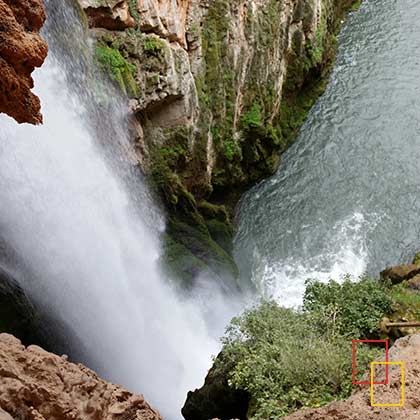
x: 346, y: 198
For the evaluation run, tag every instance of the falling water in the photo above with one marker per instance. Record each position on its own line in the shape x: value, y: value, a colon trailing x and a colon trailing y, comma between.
x: 87, y: 243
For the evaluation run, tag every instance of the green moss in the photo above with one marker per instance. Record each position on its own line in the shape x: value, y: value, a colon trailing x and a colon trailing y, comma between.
x: 180, y: 262
x: 356, y: 5
x: 406, y: 303
x: 253, y: 118
x: 152, y: 44
x: 133, y: 8
x: 231, y: 149
x: 118, y: 68
x: 248, y: 146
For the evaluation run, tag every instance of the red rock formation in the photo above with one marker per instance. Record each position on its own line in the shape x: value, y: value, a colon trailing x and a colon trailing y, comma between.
x: 21, y: 50
x: 37, y: 385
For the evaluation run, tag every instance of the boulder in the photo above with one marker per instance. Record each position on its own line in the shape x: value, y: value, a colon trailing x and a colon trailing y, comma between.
x: 399, y: 273
x: 38, y: 385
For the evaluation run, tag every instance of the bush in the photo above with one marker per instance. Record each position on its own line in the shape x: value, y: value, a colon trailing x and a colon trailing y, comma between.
x: 285, y: 362
x: 353, y: 310
x: 253, y: 118
x: 289, y: 359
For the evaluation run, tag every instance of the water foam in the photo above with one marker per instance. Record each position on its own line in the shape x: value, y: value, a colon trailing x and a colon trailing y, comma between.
x: 345, y: 254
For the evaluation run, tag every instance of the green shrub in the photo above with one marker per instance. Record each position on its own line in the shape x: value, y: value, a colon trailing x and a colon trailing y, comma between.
x: 253, y: 118
x: 350, y: 309
x: 416, y: 259
x: 285, y: 363
x: 231, y: 149
x: 118, y: 68
x: 152, y: 44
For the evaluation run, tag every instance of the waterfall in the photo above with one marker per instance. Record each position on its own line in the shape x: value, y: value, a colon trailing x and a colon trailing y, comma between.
x: 87, y: 239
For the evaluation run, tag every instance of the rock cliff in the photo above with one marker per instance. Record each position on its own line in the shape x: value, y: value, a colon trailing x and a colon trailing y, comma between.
x: 21, y: 50
x: 37, y: 385
x: 219, y: 89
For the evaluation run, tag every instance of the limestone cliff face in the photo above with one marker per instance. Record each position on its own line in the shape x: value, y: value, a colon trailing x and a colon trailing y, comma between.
x: 37, y: 385
x: 21, y: 50
x: 219, y: 89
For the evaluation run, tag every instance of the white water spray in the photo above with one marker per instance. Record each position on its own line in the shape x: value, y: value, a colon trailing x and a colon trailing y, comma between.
x: 92, y: 258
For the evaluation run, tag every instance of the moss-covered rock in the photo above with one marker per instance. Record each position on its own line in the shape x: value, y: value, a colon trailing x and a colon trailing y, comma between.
x: 219, y: 89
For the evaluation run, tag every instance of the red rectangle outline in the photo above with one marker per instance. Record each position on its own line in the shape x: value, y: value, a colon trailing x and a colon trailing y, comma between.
x: 353, y: 351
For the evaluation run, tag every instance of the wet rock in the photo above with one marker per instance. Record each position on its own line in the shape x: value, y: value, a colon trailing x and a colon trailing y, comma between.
x: 37, y: 385
x: 215, y: 399
x: 400, y: 273
x: 17, y: 314
x: 21, y: 50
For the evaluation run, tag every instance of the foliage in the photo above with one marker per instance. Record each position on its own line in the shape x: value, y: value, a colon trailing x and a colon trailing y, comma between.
x: 133, y: 8
x: 118, y: 68
x: 231, y: 149
x: 416, y: 259
x: 152, y: 44
x: 350, y: 309
x: 406, y: 302
x: 253, y: 118
x: 356, y: 5
x: 285, y: 363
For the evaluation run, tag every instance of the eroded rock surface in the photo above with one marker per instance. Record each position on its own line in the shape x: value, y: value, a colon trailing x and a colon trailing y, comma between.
x: 109, y: 14
x: 37, y: 385
x: 358, y: 406
x: 21, y: 50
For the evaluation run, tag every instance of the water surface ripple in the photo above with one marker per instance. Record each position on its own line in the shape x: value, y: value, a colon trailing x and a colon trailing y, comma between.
x: 346, y: 197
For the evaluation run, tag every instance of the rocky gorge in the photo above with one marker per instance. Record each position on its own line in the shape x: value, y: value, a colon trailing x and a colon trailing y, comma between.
x: 218, y: 89
x: 215, y: 93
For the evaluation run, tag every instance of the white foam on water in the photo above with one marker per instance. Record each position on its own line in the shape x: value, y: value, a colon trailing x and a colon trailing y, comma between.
x: 345, y: 254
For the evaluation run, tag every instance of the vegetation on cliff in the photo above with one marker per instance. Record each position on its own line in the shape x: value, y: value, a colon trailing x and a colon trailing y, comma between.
x: 217, y: 112
x: 288, y: 359
x: 118, y: 68
x: 276, y: 360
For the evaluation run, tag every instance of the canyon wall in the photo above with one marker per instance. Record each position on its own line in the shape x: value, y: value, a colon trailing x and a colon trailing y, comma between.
x: 219, y: 89
x: 21, y: 50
